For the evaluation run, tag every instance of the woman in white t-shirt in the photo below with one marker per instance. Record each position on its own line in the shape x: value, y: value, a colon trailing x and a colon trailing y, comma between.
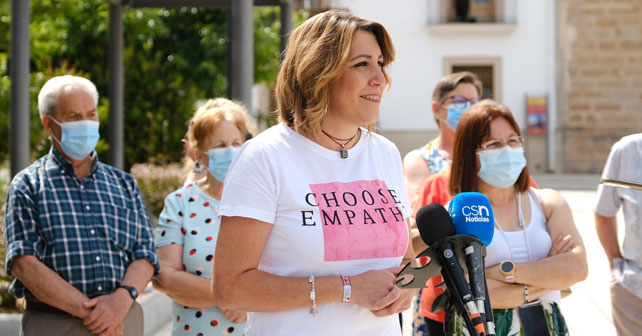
x: 314, y: 210
x: 536, y: 249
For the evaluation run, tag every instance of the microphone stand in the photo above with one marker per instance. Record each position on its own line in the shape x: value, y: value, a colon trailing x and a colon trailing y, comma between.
x: 450, y: 326
x: 421, y: 274
x: 457, y: 306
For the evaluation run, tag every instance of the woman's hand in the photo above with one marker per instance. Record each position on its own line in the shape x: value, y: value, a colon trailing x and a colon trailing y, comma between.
x: 235, y: 316
x: 562, y: 244
x: 402, y: 301
x: 376, y: 286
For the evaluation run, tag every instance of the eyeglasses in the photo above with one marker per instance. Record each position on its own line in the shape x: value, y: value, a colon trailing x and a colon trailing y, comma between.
x: 460, y: 101
x: 513, y: 142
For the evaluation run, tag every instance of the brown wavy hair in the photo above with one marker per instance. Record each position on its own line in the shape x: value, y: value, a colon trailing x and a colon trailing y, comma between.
x: 473, y: 130
x: 317, y: 52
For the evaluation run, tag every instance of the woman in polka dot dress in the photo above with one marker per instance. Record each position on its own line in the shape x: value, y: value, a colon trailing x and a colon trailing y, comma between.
x: 189, y: 224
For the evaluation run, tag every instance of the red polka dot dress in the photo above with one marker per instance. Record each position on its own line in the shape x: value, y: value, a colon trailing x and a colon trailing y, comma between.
x: 190, y: 219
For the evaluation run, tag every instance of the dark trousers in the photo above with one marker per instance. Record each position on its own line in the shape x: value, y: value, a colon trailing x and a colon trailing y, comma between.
x: 35, y: 323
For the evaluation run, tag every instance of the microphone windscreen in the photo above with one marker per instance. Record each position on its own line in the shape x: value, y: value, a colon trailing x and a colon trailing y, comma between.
x: 434, y: 223
x: 472, y: 214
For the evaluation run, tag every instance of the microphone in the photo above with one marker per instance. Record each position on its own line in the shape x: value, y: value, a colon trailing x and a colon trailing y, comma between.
x: 437, y: 230
x: 472, y: 214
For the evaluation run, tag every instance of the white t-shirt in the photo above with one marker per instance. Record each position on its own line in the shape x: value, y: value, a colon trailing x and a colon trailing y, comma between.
x: 624, y: 163
x: 330, y: 216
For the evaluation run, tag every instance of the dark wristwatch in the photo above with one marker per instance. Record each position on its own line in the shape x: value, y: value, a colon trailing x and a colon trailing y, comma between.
x: 131, y: 290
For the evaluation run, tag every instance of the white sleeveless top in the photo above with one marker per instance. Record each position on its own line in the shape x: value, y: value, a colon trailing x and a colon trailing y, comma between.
x: 539, y: 244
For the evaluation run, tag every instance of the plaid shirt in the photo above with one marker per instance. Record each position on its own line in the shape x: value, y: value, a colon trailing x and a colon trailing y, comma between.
x: 87, y: 231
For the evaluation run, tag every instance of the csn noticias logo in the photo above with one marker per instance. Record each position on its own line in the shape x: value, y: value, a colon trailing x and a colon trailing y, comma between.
x: 476, y: 213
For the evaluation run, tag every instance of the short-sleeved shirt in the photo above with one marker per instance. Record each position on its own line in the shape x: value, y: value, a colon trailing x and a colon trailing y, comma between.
x: 330, y: 216
x: 624, y: 163
x: 88, y: 231
x: 190, y: 218
x: 434, y: 158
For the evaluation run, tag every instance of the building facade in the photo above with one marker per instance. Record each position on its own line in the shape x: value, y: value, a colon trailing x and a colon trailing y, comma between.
x: 599, y: 79
x: 569, y: 70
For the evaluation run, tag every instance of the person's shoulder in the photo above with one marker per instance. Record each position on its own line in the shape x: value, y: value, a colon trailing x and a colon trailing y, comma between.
x: 413, y: 156
x: 549, y: 197
x: 30, y: 175
x: 633, y: 141
x: 637, y: 137
x: 272, y: 137
x: 380, y: 141
x: 180, y: 194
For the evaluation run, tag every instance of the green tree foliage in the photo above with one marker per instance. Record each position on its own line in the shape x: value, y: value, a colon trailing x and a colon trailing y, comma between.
x: 173, y: 58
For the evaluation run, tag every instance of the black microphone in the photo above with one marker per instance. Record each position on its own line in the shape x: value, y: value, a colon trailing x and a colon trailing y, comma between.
x: 472, y: 214
x: 437, y: 230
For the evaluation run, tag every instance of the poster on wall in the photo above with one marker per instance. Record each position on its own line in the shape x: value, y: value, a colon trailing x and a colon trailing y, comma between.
x: 537, y: 114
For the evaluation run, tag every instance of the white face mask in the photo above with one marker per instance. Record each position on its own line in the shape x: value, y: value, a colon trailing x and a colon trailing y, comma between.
x: 501, y: 167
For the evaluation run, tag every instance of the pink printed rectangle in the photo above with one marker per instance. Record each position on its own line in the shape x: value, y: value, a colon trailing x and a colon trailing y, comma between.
x: 360, y: 220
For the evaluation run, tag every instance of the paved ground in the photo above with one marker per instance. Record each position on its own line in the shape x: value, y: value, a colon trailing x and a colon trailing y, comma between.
x: 588, y: 309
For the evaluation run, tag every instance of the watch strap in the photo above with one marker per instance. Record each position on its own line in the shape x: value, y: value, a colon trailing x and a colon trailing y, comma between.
x: 510, y: 278
x: 133, y: 293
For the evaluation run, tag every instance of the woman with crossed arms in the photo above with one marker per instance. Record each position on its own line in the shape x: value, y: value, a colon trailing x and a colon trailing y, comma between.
x: 536, y: 249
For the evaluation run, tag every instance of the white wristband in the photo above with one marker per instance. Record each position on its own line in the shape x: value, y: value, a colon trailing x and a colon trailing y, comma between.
x: 347, y: 288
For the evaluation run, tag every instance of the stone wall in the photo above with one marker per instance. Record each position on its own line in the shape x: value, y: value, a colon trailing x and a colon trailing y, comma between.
x: 599, y: 79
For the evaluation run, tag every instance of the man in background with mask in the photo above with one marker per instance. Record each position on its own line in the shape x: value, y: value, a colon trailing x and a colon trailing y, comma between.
x: 454, y: 94
x: 79, y: 241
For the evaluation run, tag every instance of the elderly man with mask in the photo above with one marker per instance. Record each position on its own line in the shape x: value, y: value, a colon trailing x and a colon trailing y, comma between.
x: 79, y: 241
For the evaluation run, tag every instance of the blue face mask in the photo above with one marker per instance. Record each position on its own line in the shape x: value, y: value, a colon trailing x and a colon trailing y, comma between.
x: 220, y: 160
x: 455, y: 112
x: 78, y: 138
x: 501, y: 167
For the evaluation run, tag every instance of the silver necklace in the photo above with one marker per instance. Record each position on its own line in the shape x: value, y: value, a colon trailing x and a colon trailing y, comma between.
x: 520, y: 218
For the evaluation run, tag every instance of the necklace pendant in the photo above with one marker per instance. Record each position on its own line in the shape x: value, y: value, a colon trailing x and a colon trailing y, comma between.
x: 344, y: 153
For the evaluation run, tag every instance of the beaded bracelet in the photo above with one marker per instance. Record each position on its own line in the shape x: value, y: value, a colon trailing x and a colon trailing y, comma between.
x: 313, y: 296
